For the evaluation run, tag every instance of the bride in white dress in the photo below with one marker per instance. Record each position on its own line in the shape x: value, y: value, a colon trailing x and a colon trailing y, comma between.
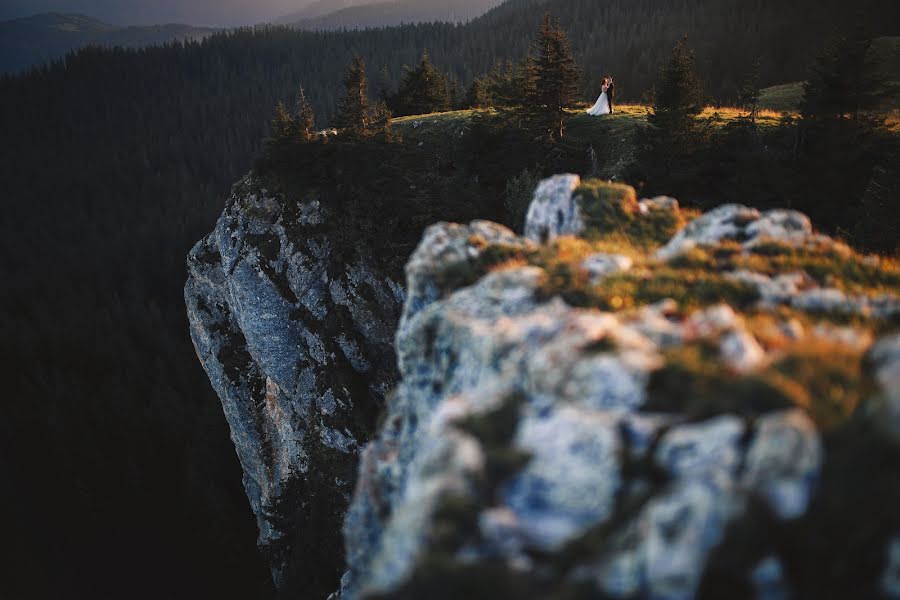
x: 601, y: 106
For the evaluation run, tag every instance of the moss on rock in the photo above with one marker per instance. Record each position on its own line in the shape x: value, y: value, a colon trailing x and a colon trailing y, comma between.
x: 612, y: 211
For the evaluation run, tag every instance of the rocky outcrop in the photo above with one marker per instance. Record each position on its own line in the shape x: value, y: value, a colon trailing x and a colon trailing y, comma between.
x: 744, y: 225
x: 297, y: 342
x: 553, y: 211
x: 538, y: 446
x: 629, y: 401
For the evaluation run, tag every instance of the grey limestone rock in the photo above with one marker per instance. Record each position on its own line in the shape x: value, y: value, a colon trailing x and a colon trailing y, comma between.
x: 569, y: 386
x: 554, y: 210
x: 798, y: 290
x: 890, y: 579
x: 523, y: 439
x: 601, y: 265
x: 658, y: 203
x: 783, y: 461
x: 298, y: 349
x: 885, y: 359
x: 741, y: 224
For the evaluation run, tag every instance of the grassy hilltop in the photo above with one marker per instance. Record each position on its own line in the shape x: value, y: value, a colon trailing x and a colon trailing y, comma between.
x: 613, y: 137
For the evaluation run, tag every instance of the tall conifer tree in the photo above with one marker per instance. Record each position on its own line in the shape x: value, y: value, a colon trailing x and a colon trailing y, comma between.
x: 423, y: 90
x: 749, y: 92
x: 352, y: 115
x: 552, y: 77
x: 846, y: 80
x: 306, y: 118
x: 678, y: 95
x: 283, y: 122
x: 668, y: 146
x: 282, y: 131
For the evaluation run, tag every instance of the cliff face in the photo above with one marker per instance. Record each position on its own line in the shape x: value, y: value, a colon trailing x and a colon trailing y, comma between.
x: 634, y: 400
x: 297, y: 342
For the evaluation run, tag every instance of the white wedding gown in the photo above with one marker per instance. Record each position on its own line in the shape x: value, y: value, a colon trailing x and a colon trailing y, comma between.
x: 601, y: 107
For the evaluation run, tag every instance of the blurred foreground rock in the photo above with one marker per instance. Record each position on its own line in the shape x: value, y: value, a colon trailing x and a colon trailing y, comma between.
x: 630, y: 401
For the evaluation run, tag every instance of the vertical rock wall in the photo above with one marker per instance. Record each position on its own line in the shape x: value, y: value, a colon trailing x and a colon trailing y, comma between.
x: 298, y: 344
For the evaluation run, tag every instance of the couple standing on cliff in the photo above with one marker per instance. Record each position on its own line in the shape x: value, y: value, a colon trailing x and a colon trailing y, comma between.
x: 604, y: 104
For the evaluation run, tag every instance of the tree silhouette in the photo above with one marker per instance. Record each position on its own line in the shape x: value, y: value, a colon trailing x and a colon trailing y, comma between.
x: 749, y: 92
x: 846, y: 80
x: 352, y: 116
x: 355, y: 117
x: 669, y: 145
x: 507, y: 85
x: 282, y: 130
x: 678, y: 94
x: 283, y: 123
x: 306, y: 118
x: 423, y: 90
x: 553, y: 77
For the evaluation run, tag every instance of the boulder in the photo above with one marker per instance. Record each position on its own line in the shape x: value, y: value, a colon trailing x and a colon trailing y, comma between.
x: 554, y: 210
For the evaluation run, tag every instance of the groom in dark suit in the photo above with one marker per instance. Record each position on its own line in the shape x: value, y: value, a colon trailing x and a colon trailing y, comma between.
x: 611, y: 93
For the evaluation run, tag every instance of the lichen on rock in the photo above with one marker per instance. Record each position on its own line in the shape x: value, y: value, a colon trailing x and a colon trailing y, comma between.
x: 632, y: 400
x: 299, y: 350
x: 545, y: 437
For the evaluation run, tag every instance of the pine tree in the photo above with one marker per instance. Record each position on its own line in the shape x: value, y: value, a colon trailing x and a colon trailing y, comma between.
x: 355, y: 118
x: 282, y: 129
x: 668, y: 147
x: 507, y: 85
x: 423, y: 90
x: 306, y: 118
x: 380, y: 121
x: 384, y: 84
x: 846, y: 80
x: 552, y: 77
x: 678, y: 95
x: 749, y: 92
x: 352, y: 117
x: 517, y: 85
x: 455, y: 91
x: 283, y: 123
x: 479, y: 95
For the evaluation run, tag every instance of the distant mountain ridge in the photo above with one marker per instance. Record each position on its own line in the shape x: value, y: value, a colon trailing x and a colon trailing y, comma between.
x: 362, y: 13
x: 37, y: 39
x: 320, y: 8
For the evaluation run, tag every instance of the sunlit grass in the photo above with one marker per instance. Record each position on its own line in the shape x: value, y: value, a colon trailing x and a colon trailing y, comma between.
x: 434, y: 129
x: 436, y: 117
x: 612, y: 136
x: 765, y: 117
x: 892, y: 121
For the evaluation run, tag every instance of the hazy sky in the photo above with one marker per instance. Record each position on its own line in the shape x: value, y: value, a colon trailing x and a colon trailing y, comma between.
x: 127, y: 12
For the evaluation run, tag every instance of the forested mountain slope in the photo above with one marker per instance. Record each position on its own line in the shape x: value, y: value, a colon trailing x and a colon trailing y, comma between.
x: 396, y: 12
x: 34, y: 40
x: 628, y: 39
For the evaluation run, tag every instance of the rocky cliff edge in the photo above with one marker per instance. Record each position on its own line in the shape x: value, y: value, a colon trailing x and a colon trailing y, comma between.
x: 632, y: 400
